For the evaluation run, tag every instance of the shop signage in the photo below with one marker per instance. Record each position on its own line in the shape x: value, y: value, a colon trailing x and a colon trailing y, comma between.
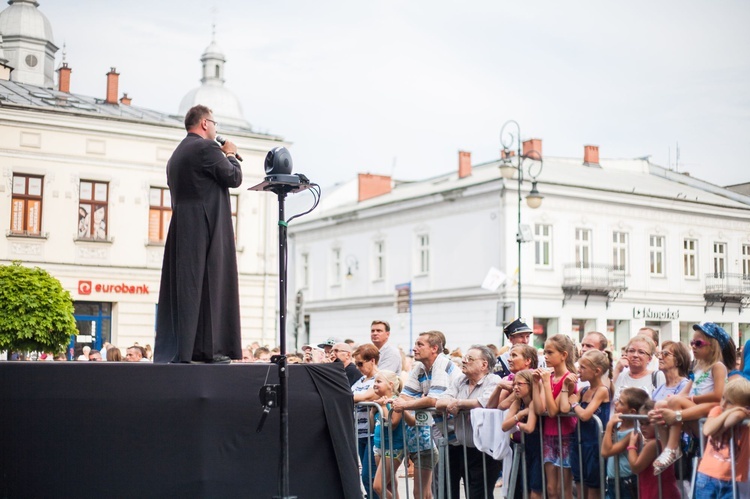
x: 649, y: 313
x: 88, y: 287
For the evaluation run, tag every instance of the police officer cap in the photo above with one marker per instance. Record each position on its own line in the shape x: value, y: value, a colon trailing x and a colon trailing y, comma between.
x: 516, y: 327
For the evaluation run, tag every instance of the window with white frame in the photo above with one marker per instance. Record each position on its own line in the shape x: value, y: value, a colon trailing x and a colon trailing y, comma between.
x: 746, y: 261
x: 423, y: 254
x: 378, y: 260
x: 305, y: 270
x: 336, y: 267
x: 720, y: 259
x: 620, y: 251
x: 656, y: 253
x: 690, y: 258
x: 543, y: 246
x: 583, y: 248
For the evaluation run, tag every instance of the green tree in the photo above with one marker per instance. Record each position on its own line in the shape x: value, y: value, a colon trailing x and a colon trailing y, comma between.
x: 36, y: 313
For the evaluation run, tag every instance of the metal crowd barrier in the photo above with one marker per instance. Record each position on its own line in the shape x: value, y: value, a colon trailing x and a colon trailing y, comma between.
x: 442, y: 433
x: 732, y: 456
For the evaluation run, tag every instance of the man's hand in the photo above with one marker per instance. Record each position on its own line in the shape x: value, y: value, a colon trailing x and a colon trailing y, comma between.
x: 399, y: 405
x: 229, y: 147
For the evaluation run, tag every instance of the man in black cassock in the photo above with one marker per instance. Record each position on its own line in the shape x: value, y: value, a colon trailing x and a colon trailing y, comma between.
x: 198, y: 318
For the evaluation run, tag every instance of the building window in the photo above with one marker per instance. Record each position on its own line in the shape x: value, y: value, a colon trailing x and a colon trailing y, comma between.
x: 690, y: 257
x: 423, y: 254
x: 583, y: 248
x: 720, y: 259
x: 159, y: 214
x: 378, y: 261
x: 746, y: 261
x: 543, y: 246
x: 656, y: 250
x: 26, y: 211
x: 336, y: 267
x: 93, y: 209
x: 234, y: 201
x: 305, y: 269
x: 620, y: 251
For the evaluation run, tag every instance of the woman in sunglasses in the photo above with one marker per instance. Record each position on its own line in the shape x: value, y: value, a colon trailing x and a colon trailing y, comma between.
x: 366, y: 359
x: 712, y: 348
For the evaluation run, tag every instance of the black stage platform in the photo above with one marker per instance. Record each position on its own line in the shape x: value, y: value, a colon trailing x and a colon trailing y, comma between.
x: 104, y: 429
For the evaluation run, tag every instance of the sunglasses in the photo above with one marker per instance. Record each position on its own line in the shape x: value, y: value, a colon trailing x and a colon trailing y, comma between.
x: 359, y: 364
x: 664, y: 354
x: 698, y: 343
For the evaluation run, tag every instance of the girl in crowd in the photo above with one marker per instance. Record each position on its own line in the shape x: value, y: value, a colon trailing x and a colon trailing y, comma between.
x: 709, y: 344
x: 714, y: 479
x: 594, y: 401
x: 524, y: 418
x: 616, y: 440
x: 641, y: 457
x: 522, y: 356
x: 389, y: 448
x: 366, y: 359
x: 557, y: 378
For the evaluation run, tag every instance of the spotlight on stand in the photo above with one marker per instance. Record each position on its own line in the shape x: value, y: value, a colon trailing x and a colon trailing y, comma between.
x: 280, y: 180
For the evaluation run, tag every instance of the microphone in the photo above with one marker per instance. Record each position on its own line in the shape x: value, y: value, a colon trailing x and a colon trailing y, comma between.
x: 221, y: 140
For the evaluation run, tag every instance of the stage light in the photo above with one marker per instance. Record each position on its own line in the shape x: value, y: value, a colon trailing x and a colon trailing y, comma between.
x: 278, y: 161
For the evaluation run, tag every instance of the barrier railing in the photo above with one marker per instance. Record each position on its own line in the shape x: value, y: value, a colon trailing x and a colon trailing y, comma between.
x: 445, y: 477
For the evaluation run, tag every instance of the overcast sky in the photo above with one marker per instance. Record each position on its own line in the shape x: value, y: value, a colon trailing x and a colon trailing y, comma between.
x: 399, y: 87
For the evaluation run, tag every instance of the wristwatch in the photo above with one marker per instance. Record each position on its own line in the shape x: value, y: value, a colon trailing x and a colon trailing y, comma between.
x: 678, y: 416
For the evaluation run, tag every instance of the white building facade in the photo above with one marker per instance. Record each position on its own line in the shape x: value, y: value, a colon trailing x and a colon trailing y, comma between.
x: 84, y: 194
x: 616, y: 245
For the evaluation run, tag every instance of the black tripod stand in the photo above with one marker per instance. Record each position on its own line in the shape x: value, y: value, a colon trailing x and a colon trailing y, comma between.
x: 281, y: 181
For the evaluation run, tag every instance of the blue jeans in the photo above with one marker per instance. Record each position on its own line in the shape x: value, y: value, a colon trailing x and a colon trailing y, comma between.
x: 368, y: 466
x: 707, y: 487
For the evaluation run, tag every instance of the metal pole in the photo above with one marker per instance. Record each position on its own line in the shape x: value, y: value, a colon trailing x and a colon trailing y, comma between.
x: 283, y: 381
x: 518, y: 225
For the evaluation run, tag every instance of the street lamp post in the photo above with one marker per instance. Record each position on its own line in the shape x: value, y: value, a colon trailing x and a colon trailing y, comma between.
x: 508, y: 169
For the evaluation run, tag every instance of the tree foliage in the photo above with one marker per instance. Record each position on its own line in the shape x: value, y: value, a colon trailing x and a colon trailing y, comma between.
x: 36, y: 313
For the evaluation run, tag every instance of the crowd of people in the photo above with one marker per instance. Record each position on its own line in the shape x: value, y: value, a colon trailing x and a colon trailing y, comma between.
x: 648, y: 403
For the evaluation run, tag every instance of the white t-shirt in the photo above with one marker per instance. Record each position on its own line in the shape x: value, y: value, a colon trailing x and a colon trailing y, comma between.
x: 646, y: 383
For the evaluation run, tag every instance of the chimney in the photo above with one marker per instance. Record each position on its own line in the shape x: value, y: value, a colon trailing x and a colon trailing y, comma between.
x: 112, y: 79
x: 505, y: 154
x: 591, y: 155
x: 371, y: 186
x: 125, y: 100
x: 63, y: 79
x: 532, y: 148
x: 464, y: 164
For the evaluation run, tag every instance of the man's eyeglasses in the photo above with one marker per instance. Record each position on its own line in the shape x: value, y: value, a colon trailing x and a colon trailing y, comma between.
x: 633, y: 351
x: 216, y: 123
x: 467, y: 358
x: 698, y: 343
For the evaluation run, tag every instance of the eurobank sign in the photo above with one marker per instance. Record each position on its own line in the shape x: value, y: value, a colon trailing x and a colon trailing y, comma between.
x: 123, y: 288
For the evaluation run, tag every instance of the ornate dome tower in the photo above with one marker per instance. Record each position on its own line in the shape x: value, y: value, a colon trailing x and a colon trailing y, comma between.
x: 28, y: 43
x: 212, y: 93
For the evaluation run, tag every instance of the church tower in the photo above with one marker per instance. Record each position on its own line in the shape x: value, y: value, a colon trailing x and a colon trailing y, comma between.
x: 28, y: 44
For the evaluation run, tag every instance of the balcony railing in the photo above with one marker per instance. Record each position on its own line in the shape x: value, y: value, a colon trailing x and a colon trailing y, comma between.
x: 727, y: 288
x: 593, y: 279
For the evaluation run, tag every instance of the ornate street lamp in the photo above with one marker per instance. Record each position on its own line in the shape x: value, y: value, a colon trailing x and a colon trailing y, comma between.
x: 519, y: 164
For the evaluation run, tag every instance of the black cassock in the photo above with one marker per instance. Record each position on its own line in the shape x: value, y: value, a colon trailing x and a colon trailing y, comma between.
x: 199, y: 311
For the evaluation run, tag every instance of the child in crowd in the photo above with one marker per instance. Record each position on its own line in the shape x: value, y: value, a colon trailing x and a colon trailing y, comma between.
x: 422, y: 453
x: 388, y: 447
x: 522, y: 416
x: 710, y: 343
x: 641, y: 456
x: 522, y: 356
x: 594, y: 401
x: 714, y: 478
x: 557, y: 378
x: 615, y: 442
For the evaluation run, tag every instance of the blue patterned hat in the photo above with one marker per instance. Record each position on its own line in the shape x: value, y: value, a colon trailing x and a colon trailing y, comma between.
x: 714, y: 331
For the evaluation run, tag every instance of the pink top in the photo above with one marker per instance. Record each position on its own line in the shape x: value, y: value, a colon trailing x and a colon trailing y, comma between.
x: 567, y: 424
x: 648, y: 484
